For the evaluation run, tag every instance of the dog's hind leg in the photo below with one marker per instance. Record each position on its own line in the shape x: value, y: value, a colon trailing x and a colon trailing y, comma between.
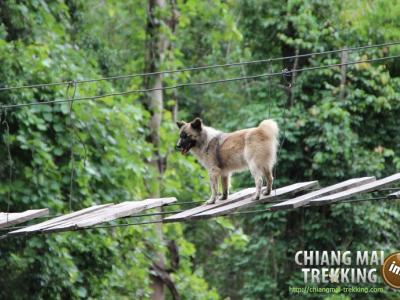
x: 257, y: 175
x: 225, y: 187
x: 269, y: 179
x: 258, y: 180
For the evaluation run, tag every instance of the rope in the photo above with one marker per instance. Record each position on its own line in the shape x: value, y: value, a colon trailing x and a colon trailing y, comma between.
x: 10, y: 161
x: 197, y: 83
x: 183, y: 203
x: 73, y: 134
x: 189, y: 69
x: 83, y: 143
x: 269, y: 93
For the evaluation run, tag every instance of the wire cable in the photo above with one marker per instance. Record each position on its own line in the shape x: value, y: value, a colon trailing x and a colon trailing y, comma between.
x: 87, y: 98
x: 10, y: 161
x: 189, y: 69
x: 72, y: 156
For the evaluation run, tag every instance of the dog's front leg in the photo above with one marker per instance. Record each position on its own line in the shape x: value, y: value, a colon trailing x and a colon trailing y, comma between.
x: 213, y: 186
x: 225, y: 187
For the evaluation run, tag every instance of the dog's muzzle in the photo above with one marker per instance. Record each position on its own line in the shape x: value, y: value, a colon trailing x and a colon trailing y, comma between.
x: 184, y: 145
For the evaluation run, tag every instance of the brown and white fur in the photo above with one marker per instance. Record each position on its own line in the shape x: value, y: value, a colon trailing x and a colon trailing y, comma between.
x: 225, y: 153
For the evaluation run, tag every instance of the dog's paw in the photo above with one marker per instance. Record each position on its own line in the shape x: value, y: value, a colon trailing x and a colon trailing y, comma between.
x: 256, y: 198
x: 210, y: 201
x: 223, y: 198
x: 267, y: 192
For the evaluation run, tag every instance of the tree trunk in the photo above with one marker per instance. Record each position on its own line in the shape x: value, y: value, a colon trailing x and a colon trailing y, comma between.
x: 157, y: 46
x: 172, y: 23
x: 155, y: 56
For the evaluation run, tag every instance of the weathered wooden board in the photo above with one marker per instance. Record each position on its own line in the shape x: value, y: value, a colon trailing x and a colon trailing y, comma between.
x: 369, y: 187
x: 38, y: 227
x: 92, y: 214
x: 275, y: 194
x: 232, y: 198
x: 9, y: 219
x: 109, y: 213
x: 305, y: 199
x: 395, y: 195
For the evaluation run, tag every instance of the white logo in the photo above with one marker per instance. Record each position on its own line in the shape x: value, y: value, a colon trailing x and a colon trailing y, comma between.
x: 341, y: 266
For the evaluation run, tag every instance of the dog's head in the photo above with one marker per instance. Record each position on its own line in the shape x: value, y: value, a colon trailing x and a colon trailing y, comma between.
x: 189, y: 134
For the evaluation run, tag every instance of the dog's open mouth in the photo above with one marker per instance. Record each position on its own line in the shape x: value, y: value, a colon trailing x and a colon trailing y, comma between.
x: 184, y: 151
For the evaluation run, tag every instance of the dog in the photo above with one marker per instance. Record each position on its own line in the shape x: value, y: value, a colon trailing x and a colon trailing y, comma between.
x: 225, y: 153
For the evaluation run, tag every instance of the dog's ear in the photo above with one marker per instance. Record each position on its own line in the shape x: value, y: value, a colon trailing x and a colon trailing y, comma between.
x: 197, y: 124
x: 180, y: 124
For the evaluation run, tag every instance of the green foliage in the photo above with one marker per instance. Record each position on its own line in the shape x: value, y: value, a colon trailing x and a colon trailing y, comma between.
x: 324, y: 137
x: 66, y: 41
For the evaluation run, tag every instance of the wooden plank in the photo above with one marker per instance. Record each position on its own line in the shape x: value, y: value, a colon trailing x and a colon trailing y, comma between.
x: 121, y: 210
x: 232, y: 198
x: 9, y: 219
x: 395, y: 195
x: 92, y: 214
x: 275, y: 194
x: 305, y: 199
x: 39, y: 226
x: 369, y: 187
x: 125, y: 209
x: 109, y: 214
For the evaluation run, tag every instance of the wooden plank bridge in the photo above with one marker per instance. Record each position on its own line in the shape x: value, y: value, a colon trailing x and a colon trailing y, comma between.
x: 289, y: 197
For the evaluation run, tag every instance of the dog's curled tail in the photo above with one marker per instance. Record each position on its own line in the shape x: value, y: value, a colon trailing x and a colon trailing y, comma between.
x: 271, y: 128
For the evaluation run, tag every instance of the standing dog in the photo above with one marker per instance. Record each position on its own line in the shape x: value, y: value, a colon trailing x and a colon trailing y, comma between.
x: 225, y: 153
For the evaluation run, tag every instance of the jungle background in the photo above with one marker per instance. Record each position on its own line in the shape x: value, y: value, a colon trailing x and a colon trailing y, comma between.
x: 329, y: 132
